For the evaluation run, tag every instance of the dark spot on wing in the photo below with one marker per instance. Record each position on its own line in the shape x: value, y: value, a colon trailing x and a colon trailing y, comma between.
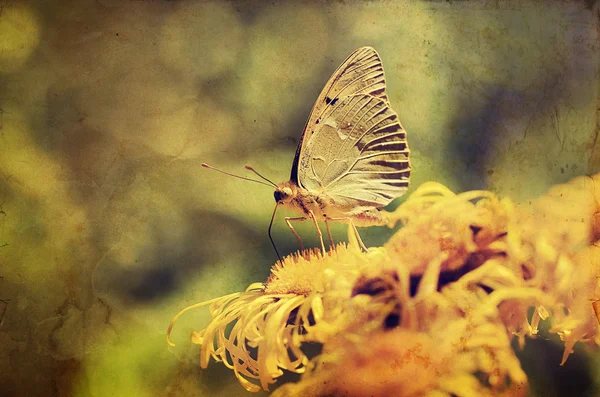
x: 334, y: 101
x: 327, y: 100
x: 317, y: 122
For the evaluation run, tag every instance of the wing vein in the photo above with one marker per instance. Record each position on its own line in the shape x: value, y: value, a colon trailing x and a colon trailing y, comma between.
x: 368, y: 156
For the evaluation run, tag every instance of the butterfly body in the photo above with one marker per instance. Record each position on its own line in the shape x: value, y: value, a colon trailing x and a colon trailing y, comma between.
x: 324, y: 207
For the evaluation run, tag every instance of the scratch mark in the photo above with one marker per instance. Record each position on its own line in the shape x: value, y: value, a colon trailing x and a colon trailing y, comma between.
x: 5, y: 304
x: 554, y: 117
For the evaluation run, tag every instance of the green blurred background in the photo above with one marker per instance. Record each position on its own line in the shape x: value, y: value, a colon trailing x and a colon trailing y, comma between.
x: 109, y: 225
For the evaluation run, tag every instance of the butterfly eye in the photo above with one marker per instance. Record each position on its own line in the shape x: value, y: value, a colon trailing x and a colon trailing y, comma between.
x: 278, y: 194
x: 283, y: 194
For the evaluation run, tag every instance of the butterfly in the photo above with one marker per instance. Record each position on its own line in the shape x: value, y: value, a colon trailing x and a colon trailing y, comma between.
x: 353, y: 156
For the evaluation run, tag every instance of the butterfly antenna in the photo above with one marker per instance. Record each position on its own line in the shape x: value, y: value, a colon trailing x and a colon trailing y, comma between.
x: 248, y: 167
x: 271, y: 237
x: 236, y: 176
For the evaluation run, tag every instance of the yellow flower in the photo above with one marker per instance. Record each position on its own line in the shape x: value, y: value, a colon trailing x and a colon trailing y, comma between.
x: 258, y: 333
x: 432, y: 312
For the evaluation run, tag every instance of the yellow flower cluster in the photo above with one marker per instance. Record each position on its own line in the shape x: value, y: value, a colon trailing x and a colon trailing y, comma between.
x: 432, y: 312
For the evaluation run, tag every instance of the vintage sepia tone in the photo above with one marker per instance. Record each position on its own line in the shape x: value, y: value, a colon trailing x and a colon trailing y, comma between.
x: 110, y: 226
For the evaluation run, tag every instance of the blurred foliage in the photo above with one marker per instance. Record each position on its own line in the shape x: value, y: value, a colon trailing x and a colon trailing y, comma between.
x: 108, y: 223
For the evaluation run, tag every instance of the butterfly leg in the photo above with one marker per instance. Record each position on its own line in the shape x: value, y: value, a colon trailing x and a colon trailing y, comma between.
x: 349, y: 221
x: 329, y: 234
x: 314, y: 219
x: 360, y: 242
x: 298, y: 219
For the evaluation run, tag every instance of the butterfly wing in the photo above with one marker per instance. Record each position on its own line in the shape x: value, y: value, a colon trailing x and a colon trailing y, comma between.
x: 353, y: 147
x: 360, y: 73
x: 358, y: 154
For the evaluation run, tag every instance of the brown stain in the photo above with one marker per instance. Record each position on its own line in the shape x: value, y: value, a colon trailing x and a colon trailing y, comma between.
x: 66, y: 377
x: 416, y: 355
x: 596, y: 306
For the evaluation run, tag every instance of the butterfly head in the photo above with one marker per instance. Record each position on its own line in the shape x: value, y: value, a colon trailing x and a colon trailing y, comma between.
x: 284, y: 192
